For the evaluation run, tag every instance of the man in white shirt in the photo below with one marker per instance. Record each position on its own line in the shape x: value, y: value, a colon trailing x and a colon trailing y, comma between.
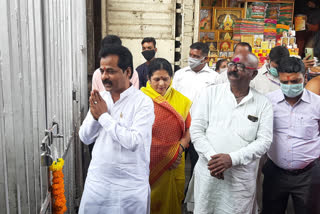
x: 197, y: 75
x: 267, y: 79
x: 191, y: 80
x: 231, y: 129
x: 120, y: 122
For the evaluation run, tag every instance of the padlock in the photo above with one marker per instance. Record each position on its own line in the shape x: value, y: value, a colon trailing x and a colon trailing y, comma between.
x: 46, y: 157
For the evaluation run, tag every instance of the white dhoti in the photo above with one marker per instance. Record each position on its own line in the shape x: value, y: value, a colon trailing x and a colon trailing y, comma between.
x: 102, y: 198
x: 233, y: 195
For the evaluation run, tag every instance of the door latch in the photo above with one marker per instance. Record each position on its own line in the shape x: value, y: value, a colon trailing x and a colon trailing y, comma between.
x: 50, y: 135
x: 46, y: 156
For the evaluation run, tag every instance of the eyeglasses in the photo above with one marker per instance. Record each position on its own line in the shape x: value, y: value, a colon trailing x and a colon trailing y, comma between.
x: 240, y: 66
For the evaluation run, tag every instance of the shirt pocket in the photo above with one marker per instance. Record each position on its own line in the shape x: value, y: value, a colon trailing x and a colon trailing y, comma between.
x: 129, y: 157
x: 247, y: 129
x: 306, y: 127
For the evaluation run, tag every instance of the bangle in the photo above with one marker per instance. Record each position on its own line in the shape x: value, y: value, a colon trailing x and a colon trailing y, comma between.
x: 183, y: 149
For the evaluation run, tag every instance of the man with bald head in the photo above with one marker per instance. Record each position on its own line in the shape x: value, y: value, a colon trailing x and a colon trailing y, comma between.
x: 231, y: 128
x: 240, y: 48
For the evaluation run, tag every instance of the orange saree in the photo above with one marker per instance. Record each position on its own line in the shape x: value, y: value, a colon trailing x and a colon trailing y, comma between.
x: 172, y: 118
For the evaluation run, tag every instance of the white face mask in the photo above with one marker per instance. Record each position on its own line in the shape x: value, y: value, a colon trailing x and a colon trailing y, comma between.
x: 221, y: 70
x: 193, y: 63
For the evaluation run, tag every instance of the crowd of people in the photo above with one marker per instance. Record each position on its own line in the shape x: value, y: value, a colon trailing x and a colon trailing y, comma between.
x: 250, y: 133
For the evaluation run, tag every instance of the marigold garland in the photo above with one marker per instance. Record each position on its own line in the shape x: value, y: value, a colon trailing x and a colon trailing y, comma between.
x: 59, y: 206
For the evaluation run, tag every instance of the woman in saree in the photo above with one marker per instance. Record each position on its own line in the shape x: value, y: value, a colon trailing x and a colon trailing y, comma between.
x: 170, y: 137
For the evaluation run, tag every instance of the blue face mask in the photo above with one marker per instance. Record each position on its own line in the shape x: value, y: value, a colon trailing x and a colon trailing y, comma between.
x: 292, y: 90
x: 273, y: 71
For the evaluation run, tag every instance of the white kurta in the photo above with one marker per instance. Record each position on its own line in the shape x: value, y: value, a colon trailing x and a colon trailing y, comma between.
x: 190, y: 83
x: 118, y: 175
x: 220, y: 125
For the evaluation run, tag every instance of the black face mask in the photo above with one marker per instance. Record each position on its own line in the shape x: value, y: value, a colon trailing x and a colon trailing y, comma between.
x: 149, y: 54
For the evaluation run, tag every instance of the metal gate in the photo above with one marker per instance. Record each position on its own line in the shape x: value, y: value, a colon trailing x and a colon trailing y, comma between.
x: 43, y: 96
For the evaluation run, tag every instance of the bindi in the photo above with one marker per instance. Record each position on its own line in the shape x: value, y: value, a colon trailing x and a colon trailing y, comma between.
x: 237, y: 59
x: 288, y: 78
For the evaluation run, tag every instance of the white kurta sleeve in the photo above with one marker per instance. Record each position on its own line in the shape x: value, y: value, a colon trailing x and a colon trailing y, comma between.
x: 89, y: 129
x: 130, y: 136
x: 261, y: 145
x: 199, y: 125
x: 176, y: 80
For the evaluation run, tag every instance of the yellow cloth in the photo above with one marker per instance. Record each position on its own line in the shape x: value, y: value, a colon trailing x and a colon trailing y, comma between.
x: 167, y: 193
x: 167, y: 186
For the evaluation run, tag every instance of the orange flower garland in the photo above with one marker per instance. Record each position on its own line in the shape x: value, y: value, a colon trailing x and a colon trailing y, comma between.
x: 59, y: 206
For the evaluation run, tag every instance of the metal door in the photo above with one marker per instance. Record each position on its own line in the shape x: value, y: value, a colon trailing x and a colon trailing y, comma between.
x: 43, y: 93
x: 65, y: 77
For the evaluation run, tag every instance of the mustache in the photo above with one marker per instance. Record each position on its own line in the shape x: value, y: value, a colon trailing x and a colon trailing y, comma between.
x: 233, y: 73
x: 107, y: 82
